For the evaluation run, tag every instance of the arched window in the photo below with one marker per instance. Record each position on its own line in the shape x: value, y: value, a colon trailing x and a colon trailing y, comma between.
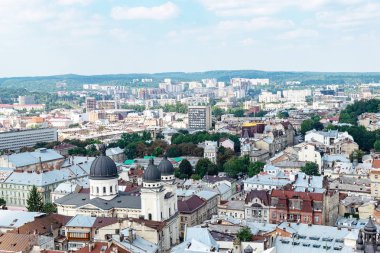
x: 150, y: 216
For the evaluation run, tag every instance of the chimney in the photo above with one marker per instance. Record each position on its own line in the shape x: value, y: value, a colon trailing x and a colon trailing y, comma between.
x: 90, y: 246
x: 130, y: 235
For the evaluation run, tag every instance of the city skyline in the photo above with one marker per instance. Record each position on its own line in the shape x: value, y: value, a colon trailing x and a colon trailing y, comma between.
x: 91, y: 37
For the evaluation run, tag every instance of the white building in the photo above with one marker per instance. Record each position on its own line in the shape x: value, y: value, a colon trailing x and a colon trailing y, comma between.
x: 211, y: 150
x: 157, y: 202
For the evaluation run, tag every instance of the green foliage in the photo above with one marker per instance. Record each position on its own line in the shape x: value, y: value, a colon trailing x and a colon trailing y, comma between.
x: 376, y: 145
x: 224, y: 154
x: 364, y: 138
x: 205, y: 166
x: 310, y: 169
x: 2, y: 202
x: 49, y: 208
x: 239, y: 112
x: 204, y: 136
x: 357, y: 155
x: 196, y: 177
x: 217, y: 112
x: 158, y: 151
x: 311, y: 124
x: 351, y: 113
x: 236, y: 166
x: 283, y: 115
x: 185, y: 168
x: 137, y: 108
x: 34, y: 201
x: 91, y: 151
x: 245, y: 234
x: 178, y: 107
x: 255, y: 168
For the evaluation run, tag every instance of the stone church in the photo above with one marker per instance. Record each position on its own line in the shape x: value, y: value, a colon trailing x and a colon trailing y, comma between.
x: 153, y: 212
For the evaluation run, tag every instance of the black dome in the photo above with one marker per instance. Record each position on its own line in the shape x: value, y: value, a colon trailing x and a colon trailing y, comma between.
x: 152, y: 173
x: 103, y: 167
x: 166, y: 167
x: 370, y: 227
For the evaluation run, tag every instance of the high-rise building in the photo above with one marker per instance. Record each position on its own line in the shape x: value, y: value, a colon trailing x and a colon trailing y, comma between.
x: 26, y: 100
x: 200, y: 117
x: 90, y: 104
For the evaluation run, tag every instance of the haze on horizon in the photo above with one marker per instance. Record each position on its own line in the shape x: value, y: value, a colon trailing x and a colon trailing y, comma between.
x: 49, y: 37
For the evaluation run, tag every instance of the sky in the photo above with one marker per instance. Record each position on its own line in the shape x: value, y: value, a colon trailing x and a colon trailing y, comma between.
x: 48, y: 37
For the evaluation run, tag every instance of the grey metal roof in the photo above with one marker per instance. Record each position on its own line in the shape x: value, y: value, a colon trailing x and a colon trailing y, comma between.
x: 81, y: 221
x: 29, y: 158
x: 123, y: 200
x: 46, y: 178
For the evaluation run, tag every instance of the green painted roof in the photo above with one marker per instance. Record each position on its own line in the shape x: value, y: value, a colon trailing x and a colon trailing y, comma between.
x: 129, y: 162
x: 149, y: 156
x: 177, y: 159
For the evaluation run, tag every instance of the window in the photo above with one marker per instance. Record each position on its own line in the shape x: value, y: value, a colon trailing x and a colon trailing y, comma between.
x: 104, y: 189
x: 150, y: 216
x: 111, y: 189
x: 170, y: 212
x: 97, y: 190
x: 316, y: 219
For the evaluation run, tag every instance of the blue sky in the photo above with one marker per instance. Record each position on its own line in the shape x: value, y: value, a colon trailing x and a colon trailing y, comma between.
x: 45, y: 37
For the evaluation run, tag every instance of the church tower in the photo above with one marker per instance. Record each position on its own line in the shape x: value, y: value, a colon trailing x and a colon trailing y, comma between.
x: 368, y: 241
x: 103, y: 177
x: 152, y: 194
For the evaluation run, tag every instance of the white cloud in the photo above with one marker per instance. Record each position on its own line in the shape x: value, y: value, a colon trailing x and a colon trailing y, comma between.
x: 255, y: 24
x: 258, y: 7
x: 350, y: 17
x: 248, y: 42
x: 165, y: 11
x: 299, y: 33
x: 70, y: 2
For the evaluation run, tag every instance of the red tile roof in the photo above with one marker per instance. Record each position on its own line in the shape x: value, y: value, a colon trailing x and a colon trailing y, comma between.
x: 43, y: 224
x: 376, y: 164
x: 190, y: 205
x: 286, y: 194
x: 98, y: 246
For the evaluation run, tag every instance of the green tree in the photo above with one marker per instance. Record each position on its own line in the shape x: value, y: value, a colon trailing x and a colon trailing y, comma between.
x: 376, y: 145
x: 205, y: 166
x: 186, y: 168
x: 224, y: 154
x: 130, y: 150
x: 357, y: 155
x: 236, y: 165
x: 244, y: 234
x: 283, y: 115
x: 34, y: 201
x: 195, y: 177
x: 173, y: 152
x: 49, y: 208
x: 158, y: 151
x: 2, y: 202
x: 255, y: 168
x: 217, y: 112
x: 310, y: 169
x: 311, y: 124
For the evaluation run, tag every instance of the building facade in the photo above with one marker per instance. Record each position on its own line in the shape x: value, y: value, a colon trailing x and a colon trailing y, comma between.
x: 200, y: 117
x: 15, y: 140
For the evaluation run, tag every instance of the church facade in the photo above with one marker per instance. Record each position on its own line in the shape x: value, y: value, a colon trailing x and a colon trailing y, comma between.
x: 153, y: 212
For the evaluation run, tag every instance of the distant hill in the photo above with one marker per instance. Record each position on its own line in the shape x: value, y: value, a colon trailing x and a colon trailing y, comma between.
x: 75, y: 82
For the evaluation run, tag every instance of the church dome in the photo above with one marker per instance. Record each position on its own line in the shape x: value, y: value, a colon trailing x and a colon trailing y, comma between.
x: 370, y: 227
x: 103, y: 167
x: 152, y: 173
x: 166, y: 167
